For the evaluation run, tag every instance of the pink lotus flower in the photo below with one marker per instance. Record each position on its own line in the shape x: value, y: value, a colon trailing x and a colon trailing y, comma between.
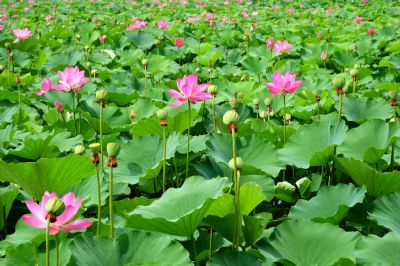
x: 3, y: 17
x: 46, y: 86
x: 290, y: 11
x: 329, y: 10
x: 102, y: 38
x: 71, y: 79
x: 59, y: 106
x: 281, y: 47
x: 275, y: 8
x: 57, y: 223
x: 283, y: 84
x: 319, y: 36
x: 244, y: 14
x: 22, y: 34
x: 371, y: 31
x: 48, y: 17
x: 270, y: 43
x: 358, y: 19
x: 162, y: 24
x: 1, y: 26
x: 179, y: 42
x: 323, y: 55
x: 190, y: 91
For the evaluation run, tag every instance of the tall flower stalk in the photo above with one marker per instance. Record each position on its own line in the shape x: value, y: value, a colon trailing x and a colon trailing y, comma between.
x: 95, y: 148
x: 339, y: 83
x: 101, y: 96
x: 145, y: 63
x: 212, y: 89
x: 113, y: 151
x: 162, y: 115
x: 190, y: 92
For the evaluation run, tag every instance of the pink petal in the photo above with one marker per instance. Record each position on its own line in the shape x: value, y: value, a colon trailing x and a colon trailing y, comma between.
x: 54, y: 229
x: 203, y: 87
x: 176, y: 104
x: 76, y: 225
x: 39, y: 93
x: 175, y: 94
x: 68, y: 198
x: 69, y: 212
x: 36, y: 210
x: 35, y: 222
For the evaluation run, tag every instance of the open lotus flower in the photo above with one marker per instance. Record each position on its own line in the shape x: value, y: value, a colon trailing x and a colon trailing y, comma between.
x: 179, y: 42
x: 190, y: 91
x: 281, y: 47
x: 162, y: 24
x: 57, y: 222
x: 284, y: 84
x: 22, y: 34
x: 71, y: 79
x: 46, y: 86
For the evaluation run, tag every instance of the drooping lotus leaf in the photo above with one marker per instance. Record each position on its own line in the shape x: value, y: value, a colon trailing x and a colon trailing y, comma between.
x: 307, y: 243
x: 142, y: 40
x: 179, y: 211
x: 359, y: 109
x: 255, y: 151
x: 54, y: 175
x: 373, y: 250
x: 132, y: 248
x: 370, y: 140
x: 386, y: 212
x: 313, y: 144
x: 329, y: 205
x: 376, y: 183
x: 7, y: 197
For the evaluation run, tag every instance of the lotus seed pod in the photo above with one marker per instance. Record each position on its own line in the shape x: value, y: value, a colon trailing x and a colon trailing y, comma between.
x: 145, y: 62
x: 288, y: 117
x: 113, y: 149
x: 212, y: 89
x: 263, y: 114
x: 354, y: 72
x: 240, y: 95
x: 55, y: 205
x: 132, y: 114
x: 7, y: 45
x: 79, y: 149
x: 87, y: 47
x: 256, y: 101
x: 239, y: 163
x: 303, y: 185
x: 393, y: 94
x: 392, y: 120
x: 233, y: 103
x: 268, y: 101
x: 230, y: 117
x: 95, y: 147
x: 157, y: 42
x: 78, y: 37
x: 162, y: 114
x: 101, y: 94
x: 89, y: 65
x: 93, y: 72
x: 339, y: 82
x: 285, y: 192
x: 315, y: 92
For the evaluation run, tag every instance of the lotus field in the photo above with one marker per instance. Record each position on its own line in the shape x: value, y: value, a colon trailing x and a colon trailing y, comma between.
x: 199, y: 132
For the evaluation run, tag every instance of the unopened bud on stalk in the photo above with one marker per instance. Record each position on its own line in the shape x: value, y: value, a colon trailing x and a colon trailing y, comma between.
x: 212, y: 89
x: 101, y: 94
x: 339, y: 82
x: 263, y: 114
x: 256, y: 101
x: 239, y: 163
x: 113, y: 150
x: 87, y: 48
x: 267, y: 101
x: 79, y: 149
x: 286, y: 192
x: 162, y: 114
x: 93, y: 72
x: 95, y: 147
x: 1, y: 68
x: 288, y: 117
x: 354, y: 72
x: 59, y: 106
x: 157, y: 43
x: 78, y: 37
x: 145, y: 62
x: 55, y: 206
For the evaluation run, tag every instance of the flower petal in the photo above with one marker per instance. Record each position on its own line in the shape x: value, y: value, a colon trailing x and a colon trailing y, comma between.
x: 76, y: 225
x: 176, y: 104
x: 35, y: 222
x: 36, y: 210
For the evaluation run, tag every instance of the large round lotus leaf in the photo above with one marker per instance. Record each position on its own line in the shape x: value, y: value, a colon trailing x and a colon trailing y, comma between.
x: 375, y: 182
x: 386, y: 211
x: 179, y: 211
x: 329, y: 205
x: 53, y: 175
x: 255, y: 151
x: 373, y: 250
x: 369, y: 141
x: 313, y: 144
x: 234, y: 259
x: 132, y: 248
x: 359, y: 109
x: 307, y: 243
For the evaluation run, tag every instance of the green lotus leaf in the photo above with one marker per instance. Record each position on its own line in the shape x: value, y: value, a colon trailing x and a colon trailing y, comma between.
x: 7, y: 197
x: 234, y: 259
x: 373, y: 250
x: 142, y: 40
x: 360, y: 109
x: 386, y: 211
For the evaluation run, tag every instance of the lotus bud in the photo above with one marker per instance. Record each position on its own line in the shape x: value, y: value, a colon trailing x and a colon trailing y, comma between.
x: 132, y: 115
x: 162, y: 114
x: 239, y: 163
x: 78, y: 37
x: 59, y: 106
x: 263, y: 114
x: 230, y: 117
x: 113, y: 149
x: 95, y: 147
x: 101, y: 95
x: 157, y: 43
x: 233, y: 103
x: 288, y: 117
x: 267, y: 101
x: 89, y: 64
x: 93, y: 72
x: 285, y: 192
x: 79, y: 149
x: 212, y: 89
x: 87, y: 48
x: 354, y: 72
x: 54, y: 206
x: 145, y: 62
x: 256, y: 101
x: 303, y: 185
x: 339, y: 82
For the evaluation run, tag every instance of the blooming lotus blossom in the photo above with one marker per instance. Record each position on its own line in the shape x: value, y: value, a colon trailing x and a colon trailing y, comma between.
x: 162, y: 24
x: 59, y: 106
x: 319, y: 36
x: 1, y: 26
x: 281, y: 47
x: 190, y: 91
x: 48, y: 18
x: 3, y: 17
x: 71, y: 79
x: 270, y: 43
x: 46, y: 86
x: 329, y: 10
x: 57, y: 222
x: 22, y: 34
x: 290, y: 11
x: 283, y: 84
x: 371, y: 31
x: 179, y: 42
x: 323, y: 55
x: 276, y: 8
x: 244, y: 14
x: 358, y: 19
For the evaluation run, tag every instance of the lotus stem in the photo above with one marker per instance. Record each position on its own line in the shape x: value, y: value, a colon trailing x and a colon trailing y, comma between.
x: 73, y: 112
x: 211, y: 244
x: 340, y: 106
x: 101, y: 137
x: 98, y: 199
x: 179, y: 54
x: 57, y: 251
x: 79, y: 113
x: 195, y: 251
x: 188, y: 141
x: 47, y: 241
x: 215, y: 118
x: 176, y: 173
x: 111, y: 203
x: 145, y: 81
x: 392, y: 157
x: 19, y: 97
x: 237, y: 193
x: 164, y: 157
x: 284, y: 120
x: 318, y: 114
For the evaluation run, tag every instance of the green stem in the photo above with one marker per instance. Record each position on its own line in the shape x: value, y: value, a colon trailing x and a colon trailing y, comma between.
x: 19, y: 97
x: 188, y: 142
x: 176, y: 172
x: 340, y: 106
x: 284, y: 120
x: 56, y: 243
x: 101, y: 137
x: 111, y: 203
x: 79, y: 113
x: 392, y: 157
x: 73, y: 112
x: 211, y: 244
x: 145, y: 81
x: 179, y: 52
x: 215, y: 118
x: 98, y: 200
x: 237, y: 193
x: 164, y: 157
x: 319, y: 117
x: 195, y: 251
x: 47, y: 241
x: 354, y: 88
